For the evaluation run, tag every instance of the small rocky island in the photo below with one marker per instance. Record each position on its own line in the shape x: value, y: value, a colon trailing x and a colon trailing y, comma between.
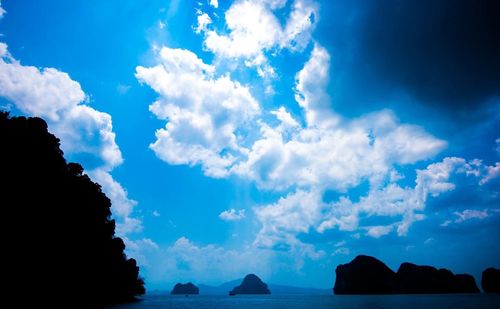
x: 251, y: 284
x: 490, y: 281
x: 368, y: 275
x: 185, y: 289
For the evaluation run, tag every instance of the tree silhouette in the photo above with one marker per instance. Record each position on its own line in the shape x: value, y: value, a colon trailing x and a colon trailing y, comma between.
x: 58, y: 238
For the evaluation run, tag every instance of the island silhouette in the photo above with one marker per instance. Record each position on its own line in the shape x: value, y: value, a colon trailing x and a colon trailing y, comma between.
x: 368, y: 275
x: 251, y: 284
x: 490, y: 280
x: 185, y: 289
x: 59, y: 246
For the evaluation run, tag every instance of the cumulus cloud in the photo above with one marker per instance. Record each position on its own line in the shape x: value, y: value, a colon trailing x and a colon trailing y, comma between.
x: 254, y: 29
x: 311, y: 84
x: 226, y: 134
x: 204, y: 112
x: 299, y: 158
x: 404, y: 204
x: 232, y: 214
x: 54, y: 96
x: 203, y: 21
x: 84, y: 131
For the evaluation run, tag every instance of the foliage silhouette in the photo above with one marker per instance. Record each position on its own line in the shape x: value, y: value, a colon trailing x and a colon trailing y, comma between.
x: 60, y: 243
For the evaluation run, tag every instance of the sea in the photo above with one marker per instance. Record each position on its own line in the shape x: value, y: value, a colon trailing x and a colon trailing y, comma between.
x: 162, y: 301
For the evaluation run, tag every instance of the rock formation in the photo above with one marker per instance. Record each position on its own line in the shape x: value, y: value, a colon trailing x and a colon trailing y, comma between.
x: 490, y: 281
x: 364, y: 275
x: 251, y: 284
x: 185, y: 289
x: 414, y: 279
x: 367, y: 275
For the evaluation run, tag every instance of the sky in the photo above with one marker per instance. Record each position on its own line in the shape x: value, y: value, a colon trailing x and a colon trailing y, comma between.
x: 274, y: 137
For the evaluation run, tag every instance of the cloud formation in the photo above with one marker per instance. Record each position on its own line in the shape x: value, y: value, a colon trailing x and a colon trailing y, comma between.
x: 329, y: 152
x: 232, y: 215
x: 230, y: 133
x: 84, y: 132
x: 204, y: 112
x: 254, y: 29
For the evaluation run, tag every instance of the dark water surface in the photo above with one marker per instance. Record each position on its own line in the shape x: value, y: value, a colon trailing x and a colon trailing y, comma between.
x: 160, y: 301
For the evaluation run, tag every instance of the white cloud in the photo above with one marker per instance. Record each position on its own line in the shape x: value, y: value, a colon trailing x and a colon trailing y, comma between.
x: 203, y: 21
x: 52, y: 95
x: 140, y: 249
x: 204, y: 112
x: 214, y: 3
x: 284, y: 116
x: 311, y: 89
x: 289, y: 216
x: 405, y: 205
x: 492, y: 173
x: 379, y: 230
x: 156, y: 213
x: 471, y: 214
x: 328, y: 153
x: 232, y: 215
x: 254, y: 30
x: 468, y: 214
x: 300, y: 159
x: 300, y: 24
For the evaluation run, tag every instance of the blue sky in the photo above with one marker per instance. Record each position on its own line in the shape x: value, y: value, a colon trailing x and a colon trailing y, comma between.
x: 271, y: 136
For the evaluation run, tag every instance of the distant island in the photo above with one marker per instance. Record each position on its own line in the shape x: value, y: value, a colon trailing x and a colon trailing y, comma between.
x: 185, y: 289
x: 490, y: 281
x: 368, y: 275
x: 251, y: 284
x: 277, y: 289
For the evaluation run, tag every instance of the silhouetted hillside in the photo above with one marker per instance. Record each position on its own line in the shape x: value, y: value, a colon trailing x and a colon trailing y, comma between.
x: 59, y: 243
x: 368, y: 275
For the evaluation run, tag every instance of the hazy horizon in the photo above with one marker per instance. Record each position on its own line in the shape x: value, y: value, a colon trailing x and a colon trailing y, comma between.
x: 275, y: 137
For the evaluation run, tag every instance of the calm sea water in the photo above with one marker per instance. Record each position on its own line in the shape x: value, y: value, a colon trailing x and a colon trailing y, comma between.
x: 316, y: 301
